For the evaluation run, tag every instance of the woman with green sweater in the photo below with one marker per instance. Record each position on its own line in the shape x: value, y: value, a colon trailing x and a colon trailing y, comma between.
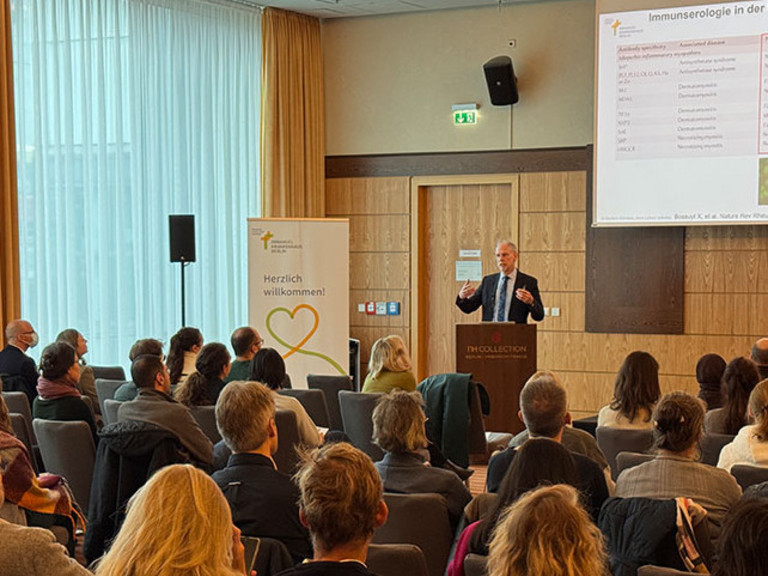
x: 58, y: 397
x: 389, y: 367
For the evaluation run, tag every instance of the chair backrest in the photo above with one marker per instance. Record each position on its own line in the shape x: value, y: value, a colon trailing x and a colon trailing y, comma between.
x: 626, y: 460
x: 68, y: 450
x: 422, y: 520
x: 206, y: 418
x: 108, y: 372
x: 747, y: 476
x: 475, y: 565
x: 21, y: 429
x: 650, y: 570
x: 18, y: 403
x: 105, y: 389
x: 614, y: 440
x: 109, y: 413
x: 357, y: 415
x: 330, y: 385
x: 396, y: 560
x: 314, y: 403
x: 710, y: 446
x: 286, y: 456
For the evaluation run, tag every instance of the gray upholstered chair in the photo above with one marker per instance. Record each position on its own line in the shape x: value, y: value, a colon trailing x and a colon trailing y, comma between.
x: 747, y: 476
x: 626, y: 460
x: 286, y: 456
x: 614, y: 440
x: 396, y: 560
x: 68, y: 450
x: 475, y: 565
x: 21, y: 427
x: 314, y: 403
x: 330, y: 385
x: 105, y: 390
x: 206, y: 419
x: 108, y: 372
x: 109, y: 413
x: 357, y: 415
x: 710, y: 446
x: 421, y: 520
x: 18, y: 403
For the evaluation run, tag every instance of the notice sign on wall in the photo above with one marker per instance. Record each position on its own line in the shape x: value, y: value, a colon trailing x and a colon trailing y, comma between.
x: 298, y: 287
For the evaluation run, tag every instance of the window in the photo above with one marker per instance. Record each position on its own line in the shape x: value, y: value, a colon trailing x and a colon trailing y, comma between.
x: 128, y: 111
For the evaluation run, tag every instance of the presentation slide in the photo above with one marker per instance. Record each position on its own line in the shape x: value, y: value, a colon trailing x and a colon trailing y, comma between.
x: 681, y: 134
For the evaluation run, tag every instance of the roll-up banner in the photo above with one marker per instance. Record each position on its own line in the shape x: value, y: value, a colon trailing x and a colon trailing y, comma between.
x: 298, y: 287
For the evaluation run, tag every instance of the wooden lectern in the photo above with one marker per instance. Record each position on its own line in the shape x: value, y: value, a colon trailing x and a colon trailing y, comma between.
x: 502, y: 356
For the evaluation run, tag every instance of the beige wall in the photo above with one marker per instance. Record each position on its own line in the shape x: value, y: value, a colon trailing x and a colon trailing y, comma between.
x: 390, y: 81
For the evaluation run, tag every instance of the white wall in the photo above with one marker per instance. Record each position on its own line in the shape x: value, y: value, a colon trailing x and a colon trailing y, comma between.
x: 390, y: 81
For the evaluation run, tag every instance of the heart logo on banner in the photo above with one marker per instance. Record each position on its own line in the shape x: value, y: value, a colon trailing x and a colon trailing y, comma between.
x: 299, y: 347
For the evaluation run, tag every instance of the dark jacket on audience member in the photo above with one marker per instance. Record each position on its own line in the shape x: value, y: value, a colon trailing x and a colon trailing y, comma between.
x: 264, y: 502
x: 22, y: 370
x: 129, y: 452
x: 328, y: 569
x: 66, y: 408
x: 591, y: 478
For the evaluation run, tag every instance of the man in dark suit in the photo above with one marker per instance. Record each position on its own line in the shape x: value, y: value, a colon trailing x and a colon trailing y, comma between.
x: 509, y: 296
x: 19, y: 370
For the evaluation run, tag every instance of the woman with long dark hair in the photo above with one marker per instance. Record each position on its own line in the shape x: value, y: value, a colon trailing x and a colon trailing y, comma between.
x: 739, y: 378
x: 635, y: 393
x: 182, y: 353
x: 203, y: 386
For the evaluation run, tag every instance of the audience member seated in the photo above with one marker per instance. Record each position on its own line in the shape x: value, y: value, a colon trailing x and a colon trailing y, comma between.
x: 547, y: 533
x: 709, y: 375
x: 635, y: 393
x: 389, y: 367
x: 128, y: 391
x: 398, y: 429
x: 58, y: 396
x: 739, y: 378
x: 750, y: 447
x: 678, y: 422
x: 264, y: 502
x: 18, y: 370
x: 177, y: 523
x: 45, y: 498
x: 544, y: 409
x: 268, y: 367
x: 204, y: 385
x: 86, y: 383
x: 341, y: 504
x: 245, y: 343
x: 182, y: 353
x: 742, y: 550
x: 155, y: 406
x: 539, y: 461
x: 760, y: 357
x: 32, y: 551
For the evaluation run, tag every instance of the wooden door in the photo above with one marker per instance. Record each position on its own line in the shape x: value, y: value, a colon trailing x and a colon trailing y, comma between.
x: 454, y: 214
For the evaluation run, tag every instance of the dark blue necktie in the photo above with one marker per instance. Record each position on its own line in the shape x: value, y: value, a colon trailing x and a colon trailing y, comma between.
x: 502, y: 300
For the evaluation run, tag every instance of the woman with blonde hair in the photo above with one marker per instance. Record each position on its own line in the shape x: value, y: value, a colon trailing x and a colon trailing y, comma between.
x: 178, y: 523
x: 750, y: 446
x: 547, y: 533
x: 389, y: 367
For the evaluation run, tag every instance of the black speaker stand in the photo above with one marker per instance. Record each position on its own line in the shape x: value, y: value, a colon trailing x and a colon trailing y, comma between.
x: 183, y: 303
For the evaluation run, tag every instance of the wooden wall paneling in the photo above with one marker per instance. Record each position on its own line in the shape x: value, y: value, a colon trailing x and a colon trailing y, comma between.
x: 723, y: 313
x: 556, y: 271
x: 571, y: 305
x: 346, y: 196
x: 552, y: 232
x: 726, y: 271
x: 372, y: 270
x: 380, y: 233
x: 553, y: 192
x: 710, y: 238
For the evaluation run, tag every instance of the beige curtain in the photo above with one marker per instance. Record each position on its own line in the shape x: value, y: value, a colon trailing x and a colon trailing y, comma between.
x: 292, y: 111
x: 10, y: 302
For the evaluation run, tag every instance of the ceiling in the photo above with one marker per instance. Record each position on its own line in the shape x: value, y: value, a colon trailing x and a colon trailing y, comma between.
x: 352, y: 8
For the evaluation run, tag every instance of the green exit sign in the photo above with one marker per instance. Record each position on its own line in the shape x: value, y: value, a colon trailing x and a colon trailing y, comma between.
x: 462, y: 117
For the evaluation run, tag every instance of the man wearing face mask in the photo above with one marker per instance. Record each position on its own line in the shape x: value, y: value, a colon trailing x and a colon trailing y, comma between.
x: 17, y: 370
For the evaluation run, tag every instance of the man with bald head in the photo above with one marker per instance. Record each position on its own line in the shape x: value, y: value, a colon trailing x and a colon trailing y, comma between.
x: 760, y: 357
x: 245, y: 343
x: 508, y: 296
x: 17, y: 370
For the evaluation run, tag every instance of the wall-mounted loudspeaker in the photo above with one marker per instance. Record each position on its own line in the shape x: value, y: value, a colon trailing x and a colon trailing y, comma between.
x: 182, y: 229
x: 502, y: 84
